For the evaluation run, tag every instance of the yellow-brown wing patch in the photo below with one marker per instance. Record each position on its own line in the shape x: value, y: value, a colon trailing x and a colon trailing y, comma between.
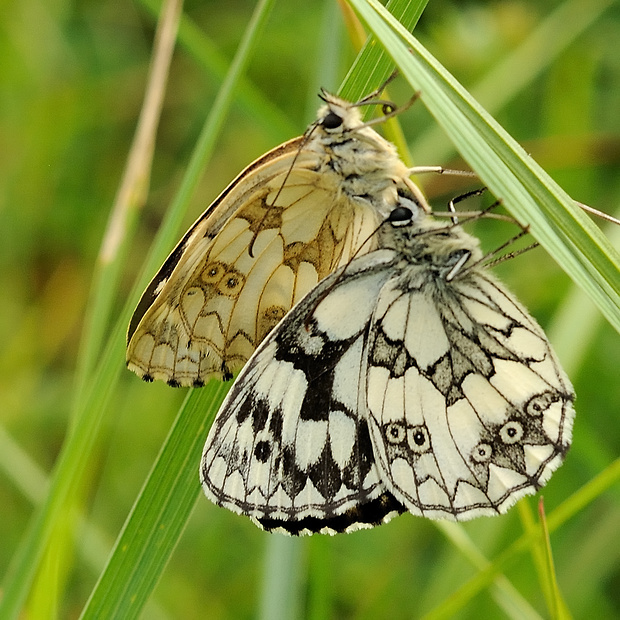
x: 230, y: 298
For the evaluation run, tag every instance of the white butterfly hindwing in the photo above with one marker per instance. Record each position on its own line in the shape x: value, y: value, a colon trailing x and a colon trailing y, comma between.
x: 280, y: 468
x: 464, y: 419
x: 288, y: 220
x: 460, y: 401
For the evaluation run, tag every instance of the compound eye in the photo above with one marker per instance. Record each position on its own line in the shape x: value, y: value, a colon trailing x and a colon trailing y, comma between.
x: 332, y: 121
x: 400, y: 216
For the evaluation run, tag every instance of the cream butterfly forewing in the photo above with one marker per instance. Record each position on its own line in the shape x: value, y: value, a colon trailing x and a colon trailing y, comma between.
x: 410, y: 380
x: 288, y: 220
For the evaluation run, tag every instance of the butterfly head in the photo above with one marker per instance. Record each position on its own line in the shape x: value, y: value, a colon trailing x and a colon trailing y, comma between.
x: 337, y: 116
x: 444, y: 248
x: 340, y: 120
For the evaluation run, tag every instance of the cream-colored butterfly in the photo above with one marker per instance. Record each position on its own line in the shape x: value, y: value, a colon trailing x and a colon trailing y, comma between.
x: 288, y: 220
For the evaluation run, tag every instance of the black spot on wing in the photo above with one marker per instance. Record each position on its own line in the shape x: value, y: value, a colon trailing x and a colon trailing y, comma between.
x: 260, y: 414
x: 316, y: 403
x: 293, y: 479
x: 276, y: 423
x: 258, y: 409
x: 262, y: 451
x: 362, y: 458
x: 317, y: 367
x: 314, y: 365
x: 325, y: 474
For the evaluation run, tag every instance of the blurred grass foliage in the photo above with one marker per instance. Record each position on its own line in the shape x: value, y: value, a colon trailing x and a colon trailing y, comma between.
x: 73, y: 77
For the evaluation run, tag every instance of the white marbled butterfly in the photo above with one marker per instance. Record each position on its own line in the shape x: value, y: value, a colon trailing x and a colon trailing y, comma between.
x: 409, y: 380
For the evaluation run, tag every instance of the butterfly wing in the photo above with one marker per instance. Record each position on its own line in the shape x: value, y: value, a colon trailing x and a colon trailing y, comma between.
x: 290, y: 445
x: 469, y: 409
x: 288, y: 220
x: 272, y: 235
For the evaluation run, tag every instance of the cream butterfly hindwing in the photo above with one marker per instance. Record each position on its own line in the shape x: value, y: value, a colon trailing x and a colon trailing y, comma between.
x: 288, y: 220
x: 410, y: 380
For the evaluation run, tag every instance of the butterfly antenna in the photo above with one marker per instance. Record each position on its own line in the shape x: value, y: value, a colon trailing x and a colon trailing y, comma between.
x: 465, y: 217
x: 375, y: 93
x: 389, y: 109
x: 461, y: 217
x: 510, y: 255
x: 485, y: 213
x: 491, y: 259
x: 500, y: 259
x: 601, y: 214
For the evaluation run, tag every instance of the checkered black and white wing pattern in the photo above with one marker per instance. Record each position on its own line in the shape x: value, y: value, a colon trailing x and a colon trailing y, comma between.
x: 290, y: 446
x: 468, y: 407
x: 410, y: 380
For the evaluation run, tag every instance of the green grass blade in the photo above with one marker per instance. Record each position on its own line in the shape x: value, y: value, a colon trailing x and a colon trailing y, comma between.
x: 373, y: 64
x: 283, y: 582
x: 159, y: 514
x: 320, y: 588
x: 78, y: 446
x: 555, y: 602
x: 538, y: 549
x: 569, y: 508
x: 524, y: 188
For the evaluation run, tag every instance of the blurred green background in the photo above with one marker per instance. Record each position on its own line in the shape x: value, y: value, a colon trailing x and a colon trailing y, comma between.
x: 72, y: 80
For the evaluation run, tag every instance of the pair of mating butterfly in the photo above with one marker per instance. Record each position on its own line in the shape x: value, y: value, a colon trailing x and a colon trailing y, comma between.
x: 404, y: 378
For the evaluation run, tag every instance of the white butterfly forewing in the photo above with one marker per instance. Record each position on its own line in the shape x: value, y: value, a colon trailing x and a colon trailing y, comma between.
x: 288, y: 220
x: 399, y: 383
x: 290, y: 444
